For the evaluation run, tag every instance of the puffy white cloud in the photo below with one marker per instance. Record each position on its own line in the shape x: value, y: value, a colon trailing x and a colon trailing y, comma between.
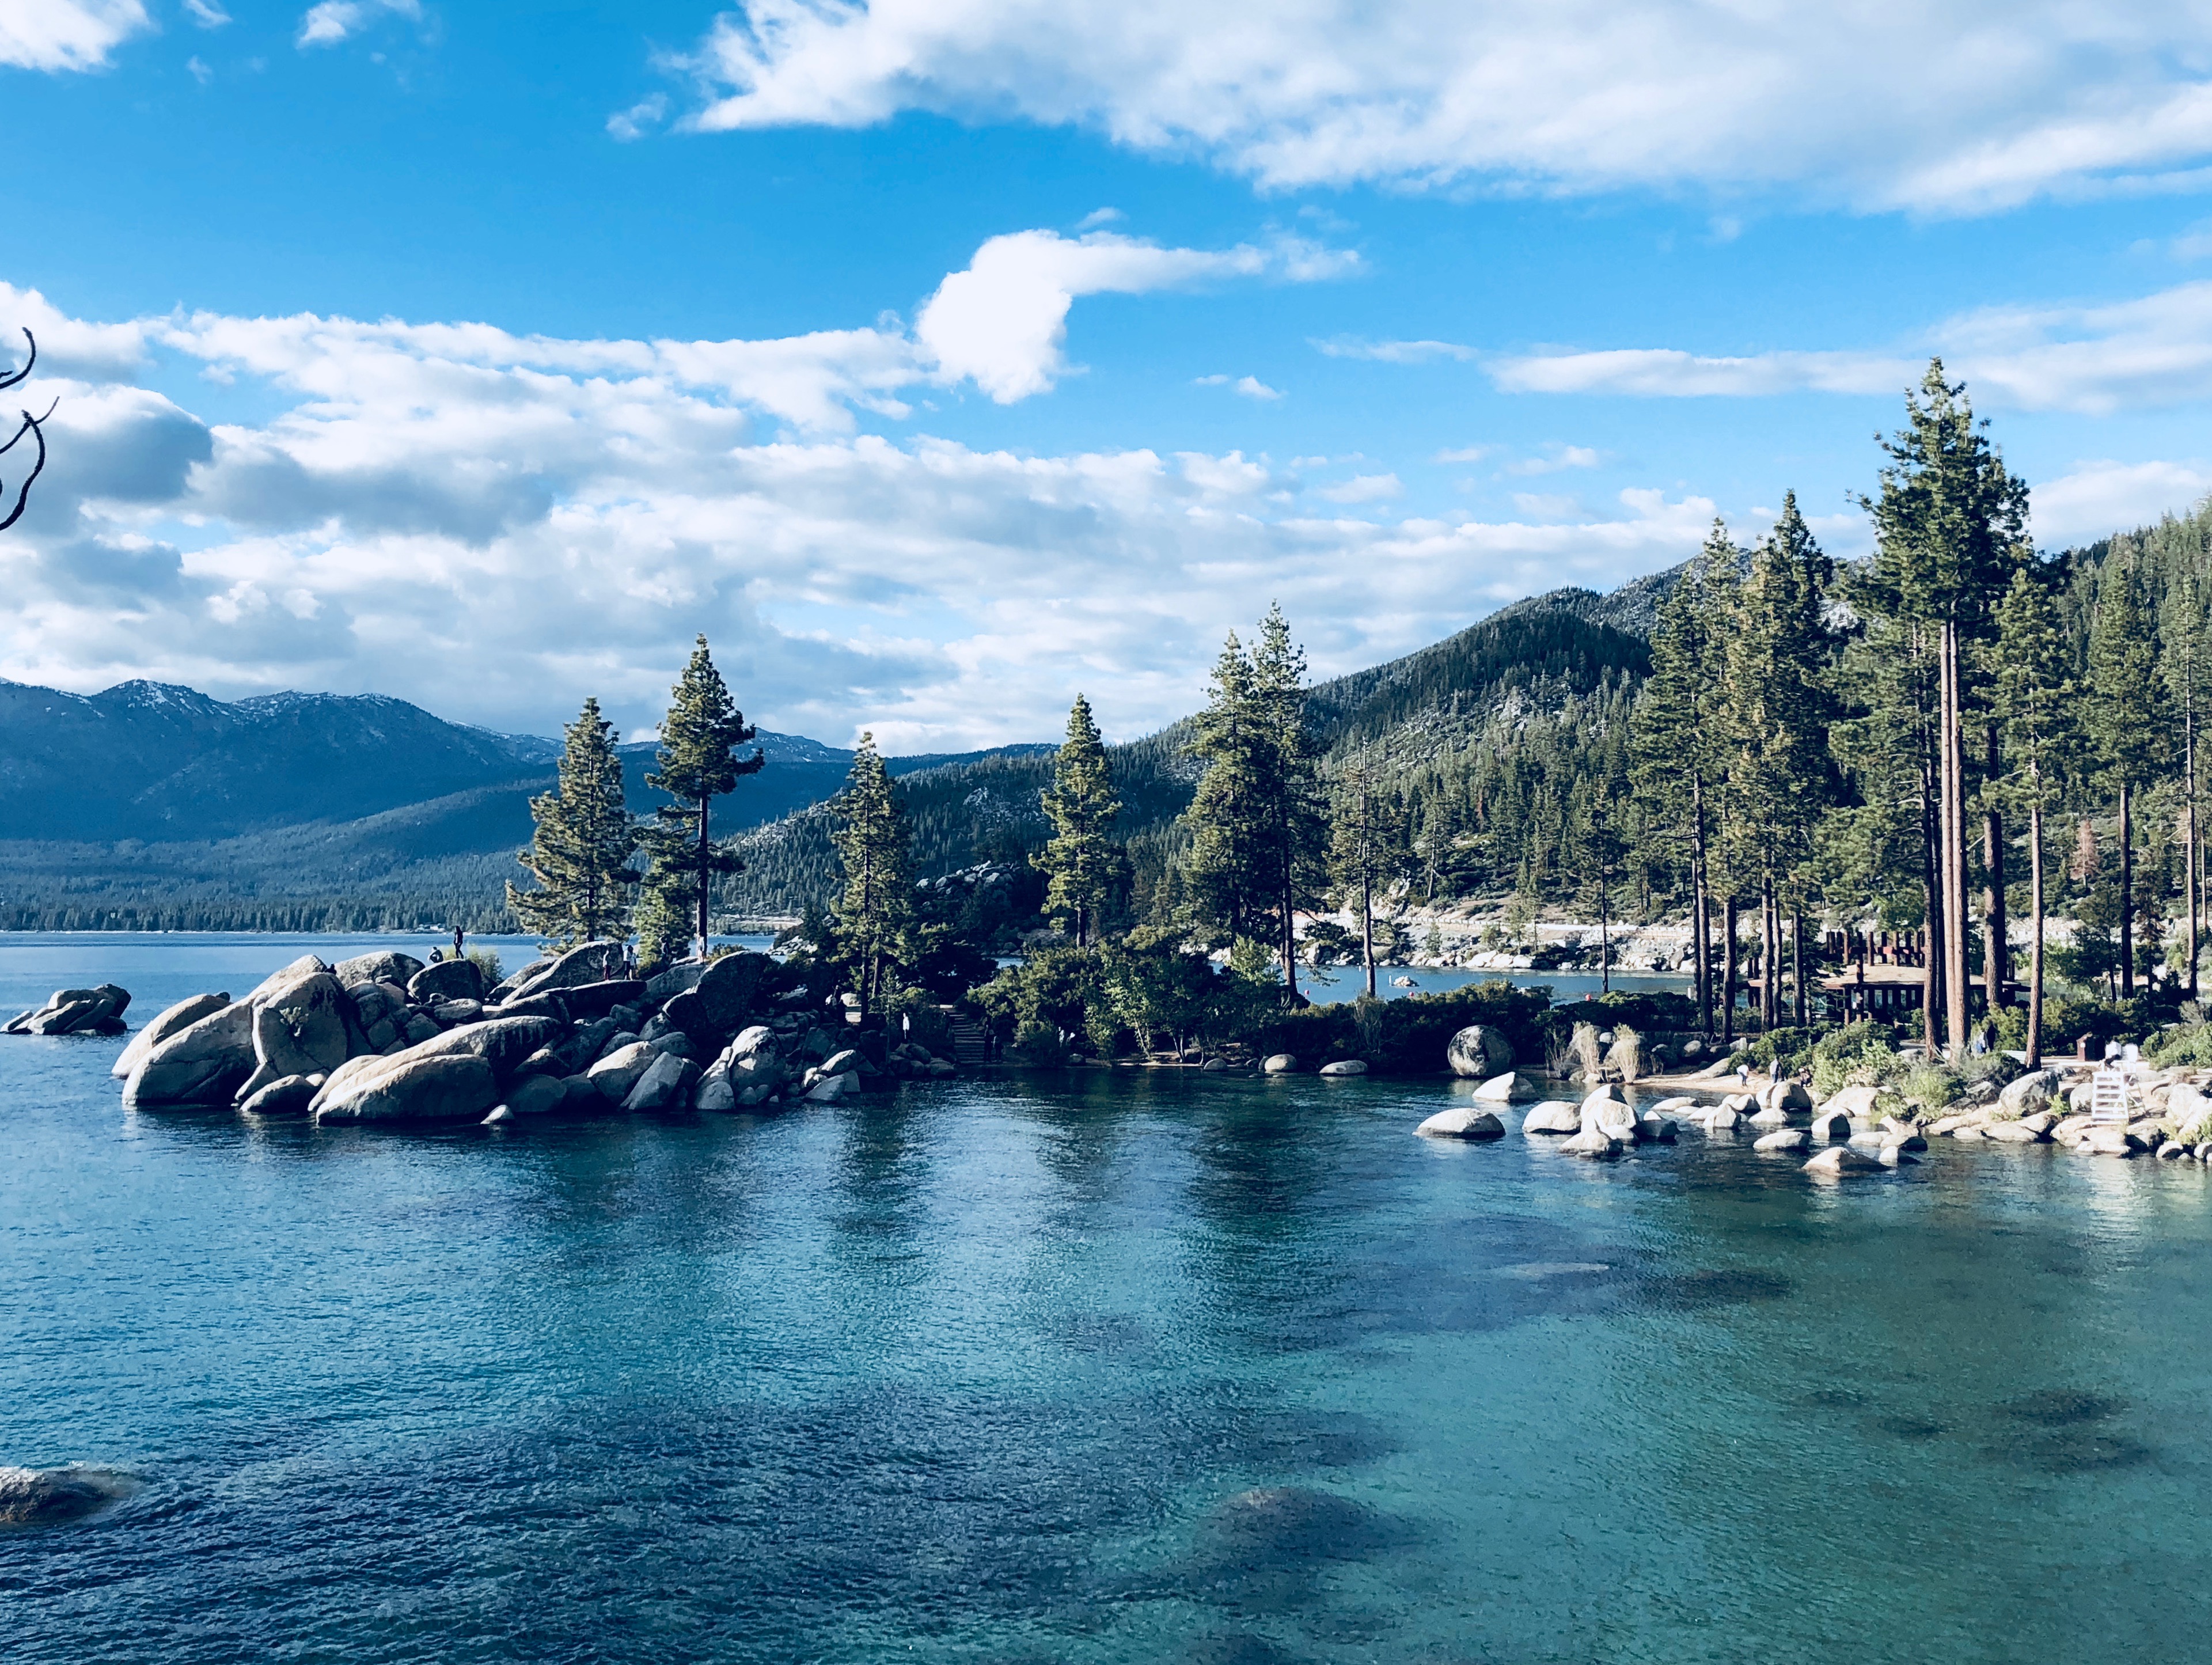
x: 496, y: 525
x: 1004, y: 320
x: 206, y: 13
x: 332, y: 21
x: 2130, y: 354
x: 66, y: 34
x: 1962, y: 107
x: 2098, y: 498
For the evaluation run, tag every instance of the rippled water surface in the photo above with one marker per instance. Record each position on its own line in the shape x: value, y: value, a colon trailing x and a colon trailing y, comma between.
x: 1075, y: 1368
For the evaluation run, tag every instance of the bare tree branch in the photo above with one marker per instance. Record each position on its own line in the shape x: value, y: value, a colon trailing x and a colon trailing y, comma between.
x: 7, y: 382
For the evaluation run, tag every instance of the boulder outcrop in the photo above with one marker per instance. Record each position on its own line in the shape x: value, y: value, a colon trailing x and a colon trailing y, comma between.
x: 1479, y: 1052
x: 178, y: 1018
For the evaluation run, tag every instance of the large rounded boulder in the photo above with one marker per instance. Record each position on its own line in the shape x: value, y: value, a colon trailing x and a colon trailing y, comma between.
x: 394, y: 969
x: 409, y: 1088
x: 1480, y: 1052
x: 447, y: 980
x: 177, y: 1019
x: 203, y: 1064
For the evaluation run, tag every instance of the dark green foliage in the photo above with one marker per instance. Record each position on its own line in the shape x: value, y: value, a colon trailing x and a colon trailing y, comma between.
x: 1088, y: 870
x: 699, y: 763
x: 1257, y: 834
x: 580, y: 853
x: 1409, y: 1037
x: 875, y: 910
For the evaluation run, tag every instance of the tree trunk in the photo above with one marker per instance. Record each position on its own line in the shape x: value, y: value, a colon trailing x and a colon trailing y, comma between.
x: 2127, y: 893
x: 705, y: 873
x: 1727, y: 969
x: 2196, y: 868
x: 1604, y: 936
x: 1797, y: 965
x: 1954, y: 852
x: 2035, y: 953
x: 1769, y: 1010
x: 1367, y: 925
x: 1931, y: 959
x: 1701, y: 908
x: 1995, y: 951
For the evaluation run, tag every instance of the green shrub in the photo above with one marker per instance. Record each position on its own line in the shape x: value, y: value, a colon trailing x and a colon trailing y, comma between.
x: 486, y: 960
x: 1037, y: 1045
x: 1410, y: 1036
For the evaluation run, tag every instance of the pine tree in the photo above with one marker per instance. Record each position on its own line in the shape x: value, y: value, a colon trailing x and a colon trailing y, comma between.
x: 699, y: 763
x: 1367, y: 852
x: 1298, y: 843
x: 2130, y: 721
x: 579, y: 853
x: 2035, y: 700
x: 1257, y: 836
x: 2187, y: 633
x: 1676, y: 737
x: 1950, y: 528
x: 1776, y: 720
x: 874, y: 842
x: 1085, y: 867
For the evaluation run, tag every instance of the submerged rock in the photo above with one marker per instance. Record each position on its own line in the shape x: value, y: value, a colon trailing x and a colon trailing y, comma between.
x: 50, y: 1496
x: 1344, y: 1067
x: 1840, y: 1161
x: 1783, y: 1138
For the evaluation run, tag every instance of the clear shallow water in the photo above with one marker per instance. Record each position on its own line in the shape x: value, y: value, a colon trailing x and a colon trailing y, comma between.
x: 1080, y: 1369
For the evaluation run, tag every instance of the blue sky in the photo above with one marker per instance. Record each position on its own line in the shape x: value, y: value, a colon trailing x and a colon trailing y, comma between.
x: 939, y: 359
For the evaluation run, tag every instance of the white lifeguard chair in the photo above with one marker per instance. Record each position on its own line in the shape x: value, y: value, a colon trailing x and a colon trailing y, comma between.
x: 2112, y: 1099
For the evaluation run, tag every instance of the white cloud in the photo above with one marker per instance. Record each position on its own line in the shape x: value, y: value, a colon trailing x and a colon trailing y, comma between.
x: 1560, y: 457
x: 199, y: 71
x: 66, y: 34
x: 332, y: 21
x: 2130, y: 354
x: 1395, y: 352
x: 1465, y: 454
x: 1004, y: 320
x: 1963, y: 107
x: 206, y: 13
x: 563, y: 515
x: 2098, y: 498
x: 1365, y: 489
x: 640, y: 119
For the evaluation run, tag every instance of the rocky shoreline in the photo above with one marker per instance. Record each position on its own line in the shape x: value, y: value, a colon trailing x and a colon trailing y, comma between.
x: 384, y: 1038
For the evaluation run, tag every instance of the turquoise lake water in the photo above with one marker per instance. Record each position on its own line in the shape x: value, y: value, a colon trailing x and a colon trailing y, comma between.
x: 1079, y: 1368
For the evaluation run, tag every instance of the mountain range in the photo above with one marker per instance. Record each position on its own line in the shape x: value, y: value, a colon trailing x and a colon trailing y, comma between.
x: 153, y: 806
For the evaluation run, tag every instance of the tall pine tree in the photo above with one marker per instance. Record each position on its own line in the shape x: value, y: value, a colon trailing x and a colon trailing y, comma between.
x: 2131, y: 722
x: 1084, y: 866
x: 1367, y: 851
x: 1258, y: 838
x: 874, y: 842
x: 1950, y: 529
x: 699, y: 763
x: 579, y: 853
x: 2035, y: 700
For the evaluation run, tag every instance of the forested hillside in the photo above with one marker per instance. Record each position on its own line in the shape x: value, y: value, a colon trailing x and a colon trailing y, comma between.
x: 1501, y: 718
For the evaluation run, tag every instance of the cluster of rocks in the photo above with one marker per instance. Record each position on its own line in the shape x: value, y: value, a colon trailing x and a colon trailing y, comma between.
x: 1285, y: 1063
x: 1601, y: 1126
x: 2043, y: 1106
x: 384, y: 1037
x: 74, y: 1011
